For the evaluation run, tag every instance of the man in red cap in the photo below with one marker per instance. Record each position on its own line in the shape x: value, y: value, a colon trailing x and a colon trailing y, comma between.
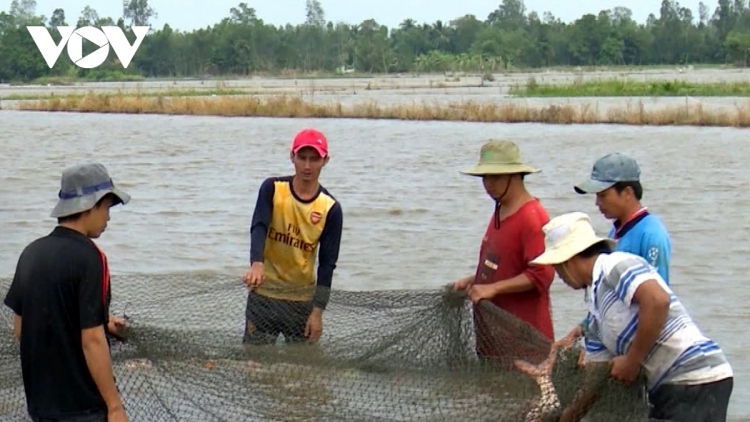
x: 294, y: 217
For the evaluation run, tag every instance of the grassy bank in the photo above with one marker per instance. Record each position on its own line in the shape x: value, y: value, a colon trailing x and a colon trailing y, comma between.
x: 295, y: 106
x: 624, y: 88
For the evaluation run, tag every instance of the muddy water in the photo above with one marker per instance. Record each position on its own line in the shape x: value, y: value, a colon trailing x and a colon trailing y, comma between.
x: 411, y: 220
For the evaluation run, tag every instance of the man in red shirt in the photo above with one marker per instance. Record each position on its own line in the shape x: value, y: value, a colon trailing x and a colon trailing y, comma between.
x: 513, y: 238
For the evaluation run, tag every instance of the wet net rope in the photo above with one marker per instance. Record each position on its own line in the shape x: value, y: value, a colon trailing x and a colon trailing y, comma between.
x: 398, y: 355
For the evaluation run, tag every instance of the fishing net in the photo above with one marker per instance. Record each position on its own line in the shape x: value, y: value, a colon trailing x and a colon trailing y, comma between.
x: 401, y: 355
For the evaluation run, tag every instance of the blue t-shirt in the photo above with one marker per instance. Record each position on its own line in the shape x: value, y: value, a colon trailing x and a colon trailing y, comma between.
x: 647, y: 237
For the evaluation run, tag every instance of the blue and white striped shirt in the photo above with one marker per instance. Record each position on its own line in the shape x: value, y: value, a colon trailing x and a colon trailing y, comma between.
x: 682, y: 354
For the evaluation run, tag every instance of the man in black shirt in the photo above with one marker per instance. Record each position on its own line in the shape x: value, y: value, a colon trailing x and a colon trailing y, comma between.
x: 60, y: 295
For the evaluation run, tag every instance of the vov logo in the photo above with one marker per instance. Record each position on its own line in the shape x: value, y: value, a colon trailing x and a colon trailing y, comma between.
x: 73, y: 38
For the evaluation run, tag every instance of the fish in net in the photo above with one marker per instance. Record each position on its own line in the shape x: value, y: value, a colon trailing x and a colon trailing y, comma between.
x: 398, y: 355
x: 547, y: 404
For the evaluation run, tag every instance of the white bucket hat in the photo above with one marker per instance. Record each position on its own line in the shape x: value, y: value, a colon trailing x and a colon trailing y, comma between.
x: 566, y: 236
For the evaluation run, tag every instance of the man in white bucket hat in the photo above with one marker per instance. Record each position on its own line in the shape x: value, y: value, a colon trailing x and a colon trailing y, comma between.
x: 60, y: 295
x: 637, y: 323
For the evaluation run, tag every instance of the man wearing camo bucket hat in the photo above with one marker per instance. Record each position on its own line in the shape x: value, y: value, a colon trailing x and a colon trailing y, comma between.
x: 60, y: 295
x: 513, y: 238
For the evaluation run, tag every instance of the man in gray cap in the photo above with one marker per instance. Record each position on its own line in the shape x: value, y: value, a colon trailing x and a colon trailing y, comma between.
x: 615, y: 180
x: 60, y: 295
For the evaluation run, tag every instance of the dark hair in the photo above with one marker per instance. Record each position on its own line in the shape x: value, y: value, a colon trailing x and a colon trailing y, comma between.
x: 595, y: 249
x: 75, y: 217
x: 636, y: 186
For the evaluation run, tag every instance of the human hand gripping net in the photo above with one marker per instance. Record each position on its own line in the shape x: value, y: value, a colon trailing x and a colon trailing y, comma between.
x: 398, y: 355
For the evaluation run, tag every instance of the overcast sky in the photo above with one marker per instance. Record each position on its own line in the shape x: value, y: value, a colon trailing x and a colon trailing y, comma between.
x: 192, y: 14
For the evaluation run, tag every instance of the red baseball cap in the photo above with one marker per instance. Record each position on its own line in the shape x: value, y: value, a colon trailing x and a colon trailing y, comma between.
x: 310, y: 138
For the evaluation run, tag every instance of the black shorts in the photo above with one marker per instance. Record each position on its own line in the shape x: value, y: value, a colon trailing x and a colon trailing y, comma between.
x: 91, y: 416
x: 266, y: 318
x: 692, y: 403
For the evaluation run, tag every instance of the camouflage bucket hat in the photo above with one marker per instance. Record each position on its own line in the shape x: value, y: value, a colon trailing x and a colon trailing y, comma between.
x: 499, y: 157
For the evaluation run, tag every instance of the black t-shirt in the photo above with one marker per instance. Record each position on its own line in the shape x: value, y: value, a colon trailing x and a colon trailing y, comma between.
x: 60, y: 287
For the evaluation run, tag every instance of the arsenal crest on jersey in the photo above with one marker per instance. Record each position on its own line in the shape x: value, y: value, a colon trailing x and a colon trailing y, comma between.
x: 315, y: 217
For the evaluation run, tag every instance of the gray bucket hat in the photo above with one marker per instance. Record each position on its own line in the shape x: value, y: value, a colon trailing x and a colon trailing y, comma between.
x: 499, y: 157
x: 82, y: 186
x: 607, y: 171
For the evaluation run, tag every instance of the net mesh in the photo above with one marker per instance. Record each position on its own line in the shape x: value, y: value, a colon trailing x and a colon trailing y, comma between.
x: 400, y: 355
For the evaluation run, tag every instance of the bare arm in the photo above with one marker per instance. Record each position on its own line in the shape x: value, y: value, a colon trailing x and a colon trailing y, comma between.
x: 17, y: 326
x: 653, y: 310
x: 635, y: 282
x: 14, y: 298
x: 93, y: 289
x: 96, y: 351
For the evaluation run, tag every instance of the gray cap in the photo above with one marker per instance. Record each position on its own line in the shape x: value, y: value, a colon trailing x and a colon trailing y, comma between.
x: 82, y: 186
x: 607, y: 171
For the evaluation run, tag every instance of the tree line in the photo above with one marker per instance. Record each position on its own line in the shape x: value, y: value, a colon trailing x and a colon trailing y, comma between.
x: 509, y: 37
